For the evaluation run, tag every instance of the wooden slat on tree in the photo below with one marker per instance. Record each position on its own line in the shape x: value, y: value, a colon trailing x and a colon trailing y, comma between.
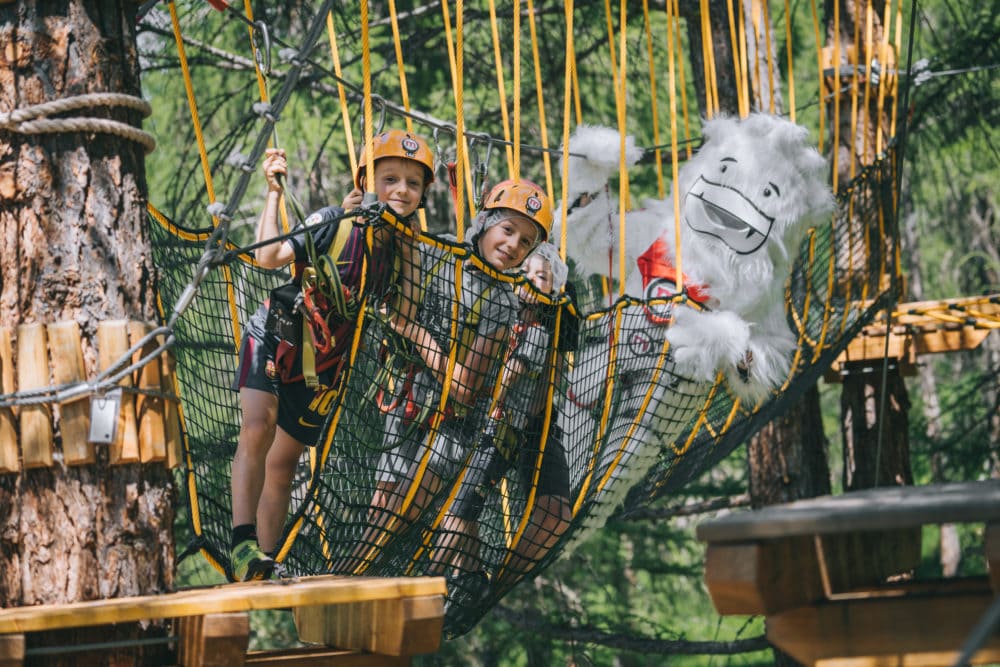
x: 74, y: 416
x: 9, y: 453
x: 33, y: 373
x: 171, y: 413
x: 149, y: 410
x: 112, y: 343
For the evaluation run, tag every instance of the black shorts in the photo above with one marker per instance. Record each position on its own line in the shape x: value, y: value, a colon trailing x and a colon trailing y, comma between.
x: 302, y: 410
x: 488, y: 466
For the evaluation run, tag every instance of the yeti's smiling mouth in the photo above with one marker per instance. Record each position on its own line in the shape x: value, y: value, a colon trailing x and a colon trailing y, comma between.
x: 727, y: 214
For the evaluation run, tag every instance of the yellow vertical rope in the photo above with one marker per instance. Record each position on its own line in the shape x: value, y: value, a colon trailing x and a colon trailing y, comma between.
x: 741, y: 92
x: 744, y: 73
x: 516, y: 173
x: 576, y: 90
x: 661, y: 193
x: 366, y: 69
x: 791, y: 70
x: 674, y: 158
x: 681, y: 82
x: 203, y: 156
x: 706, y: 48
x: 542, y: 124
x: 708, y: 61
x: 899, y: 54
x: 501, y: 86
x: 569, y: 77
x: 819, y: 69
x: 404, y: 90
x: 611, y: 44
x: 344, y: 111
x: 464, y: 172
x: 835, y: 139
x: 461, y: 155
x: 620, y: 100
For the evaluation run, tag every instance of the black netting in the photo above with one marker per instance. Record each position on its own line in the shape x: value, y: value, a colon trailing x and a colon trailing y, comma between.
x: 434, y: 460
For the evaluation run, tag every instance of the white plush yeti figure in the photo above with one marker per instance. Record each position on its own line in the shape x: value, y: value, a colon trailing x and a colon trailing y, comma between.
x: 746, y: 200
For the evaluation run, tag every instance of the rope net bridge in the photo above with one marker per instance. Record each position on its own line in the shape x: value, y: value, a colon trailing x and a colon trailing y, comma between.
x: 420, y: 472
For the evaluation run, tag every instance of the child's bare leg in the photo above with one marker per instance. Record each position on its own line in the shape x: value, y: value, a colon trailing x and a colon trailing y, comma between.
x: 455, y: 546
x: 260, y: 413
x: 549, y: 520
x: 272, y: 510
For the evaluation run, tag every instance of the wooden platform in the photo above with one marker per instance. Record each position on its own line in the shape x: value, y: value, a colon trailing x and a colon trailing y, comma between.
x: 833, y: 574
x: 371, y: 621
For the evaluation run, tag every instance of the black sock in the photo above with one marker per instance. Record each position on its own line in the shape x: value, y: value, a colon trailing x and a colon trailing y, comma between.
x: 241, y: 533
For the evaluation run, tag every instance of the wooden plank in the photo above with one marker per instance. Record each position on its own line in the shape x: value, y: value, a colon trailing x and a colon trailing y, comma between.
x: 991, y: 541
x: 949, y: 340
x: 149, y: 410
x: 762, y: 577
x: 10, y: 454
x: 868, y: 510
x: 853, y: 561
x: 915, y: 627
x: 324, y: 657
x: 112, y: 343
x: 74, y: 416
x: 322, y: 590
x: 402, y: 626
x: 171, y: 415
x: 33, y: 373
x: 11, y: 650
x: 214, y: 640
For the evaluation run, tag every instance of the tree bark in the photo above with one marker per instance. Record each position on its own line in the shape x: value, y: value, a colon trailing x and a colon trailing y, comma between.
x: 867, y: 461
x: 75, y: 247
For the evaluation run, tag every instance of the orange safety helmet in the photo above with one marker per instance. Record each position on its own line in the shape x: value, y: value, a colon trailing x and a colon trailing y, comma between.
x: 526, y: 198
x: 397, y: 143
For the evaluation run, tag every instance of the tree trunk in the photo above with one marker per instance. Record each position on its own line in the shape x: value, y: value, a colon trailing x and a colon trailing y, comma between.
x: 72, y: 224
x: 867, y: 462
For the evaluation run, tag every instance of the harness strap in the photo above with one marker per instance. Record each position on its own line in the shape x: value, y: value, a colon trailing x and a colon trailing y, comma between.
x: 309, y: 344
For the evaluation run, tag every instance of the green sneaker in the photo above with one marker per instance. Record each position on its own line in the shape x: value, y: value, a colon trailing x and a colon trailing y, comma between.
x: 250, y: 563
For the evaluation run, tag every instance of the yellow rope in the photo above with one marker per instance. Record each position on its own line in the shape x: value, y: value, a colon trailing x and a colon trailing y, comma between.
x: 744, y: 72
x: 620, y: 102
x: 737, y: 73
x: 707, y: 47
x: 516, y: 173
x: 658, y: 156
x: 501, y: 86
x: 344, y: 111
x: 569, y: 76
x: 366, y: 75
x: 464, y: 172
x: 887, y: 77
x: 899, y: 53
x: 853, y: 63
x: 674, y: 158
x: 539, y: 97
x: 755, y: 77
x: 835, y: 147
x: 403, y: 88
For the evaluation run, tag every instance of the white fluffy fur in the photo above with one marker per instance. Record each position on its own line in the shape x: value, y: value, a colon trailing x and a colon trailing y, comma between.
x: 773, y: 156
x: 771, y: 163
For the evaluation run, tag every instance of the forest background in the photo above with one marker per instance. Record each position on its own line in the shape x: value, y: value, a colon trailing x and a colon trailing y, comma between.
x: 633, y: 595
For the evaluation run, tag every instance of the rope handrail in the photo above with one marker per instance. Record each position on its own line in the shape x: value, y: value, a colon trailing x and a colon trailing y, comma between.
x: 33, y: 119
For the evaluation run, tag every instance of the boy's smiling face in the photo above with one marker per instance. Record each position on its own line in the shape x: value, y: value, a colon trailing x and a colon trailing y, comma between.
x: 400, y: 184
x: 506, y: 244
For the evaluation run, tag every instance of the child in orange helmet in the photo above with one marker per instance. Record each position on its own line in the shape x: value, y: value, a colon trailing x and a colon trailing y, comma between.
x: 515, y: 217
x: 285, y: 402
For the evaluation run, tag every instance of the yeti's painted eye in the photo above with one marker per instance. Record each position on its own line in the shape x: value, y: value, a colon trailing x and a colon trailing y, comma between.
x: 724, y: 166
x: 770, y: 189
x: 767, y: 192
